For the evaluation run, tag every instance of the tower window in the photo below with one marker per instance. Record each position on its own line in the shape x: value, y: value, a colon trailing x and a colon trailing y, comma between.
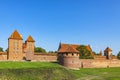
x: 67, y: 54
x: 72, y: 54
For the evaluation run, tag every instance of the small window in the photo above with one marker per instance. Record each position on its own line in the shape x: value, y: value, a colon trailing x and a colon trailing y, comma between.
x: 72, y: 54
x: 67, y: 54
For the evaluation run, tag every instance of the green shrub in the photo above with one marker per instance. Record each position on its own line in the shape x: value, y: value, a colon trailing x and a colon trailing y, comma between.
x: 84, y: 53
x: 118, y: 55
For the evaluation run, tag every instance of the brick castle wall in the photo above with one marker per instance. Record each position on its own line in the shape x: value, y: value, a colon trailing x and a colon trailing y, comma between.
x: 88, y: 63
x: 72, y: 63
x: 46, y: 57
x: 3, y: 57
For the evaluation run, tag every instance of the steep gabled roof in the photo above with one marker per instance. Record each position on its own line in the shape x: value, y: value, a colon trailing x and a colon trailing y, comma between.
x: 101, y: 53
x: 107, y: 49
x: 76, y: 45
x: 72, y: 48
x: 15, y: 35
x: 30, y: 39
x: 66, y: 48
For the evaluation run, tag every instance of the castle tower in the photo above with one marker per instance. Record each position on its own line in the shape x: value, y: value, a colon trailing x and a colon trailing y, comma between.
x: 15, y: 46
x: 108, y: 53
x: 68, y: 56
x: 29, y: 48
x: 100, y: 53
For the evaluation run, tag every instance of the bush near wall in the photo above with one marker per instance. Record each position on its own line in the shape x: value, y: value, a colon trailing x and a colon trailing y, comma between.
x: 118, y: 55
x: 84, y: 53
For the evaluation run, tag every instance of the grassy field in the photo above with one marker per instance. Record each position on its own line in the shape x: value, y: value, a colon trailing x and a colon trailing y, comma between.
x: 97, y: 74
x: 19, y: 65
x: 53, y: 71
x: 33, y: 71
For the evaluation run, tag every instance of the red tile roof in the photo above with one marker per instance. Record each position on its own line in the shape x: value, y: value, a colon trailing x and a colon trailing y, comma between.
x: 15, y: 35
x: 30, y: 39
x: 66, y: 48
x: 71, y: 48
x: 101, y: 53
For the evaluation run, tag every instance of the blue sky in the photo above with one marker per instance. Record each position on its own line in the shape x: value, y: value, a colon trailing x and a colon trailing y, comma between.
x: 94, y: 22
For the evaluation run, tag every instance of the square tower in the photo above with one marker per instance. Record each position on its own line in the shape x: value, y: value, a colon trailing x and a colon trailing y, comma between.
x: 29, y: 48
x: 15, y: 46
x: 108, y: 53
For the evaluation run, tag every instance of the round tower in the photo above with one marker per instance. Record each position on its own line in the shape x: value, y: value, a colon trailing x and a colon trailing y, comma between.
x: 68, y: 56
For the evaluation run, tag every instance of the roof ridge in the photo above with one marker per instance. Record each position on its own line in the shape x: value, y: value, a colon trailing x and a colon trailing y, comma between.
x: 108, y: 49
x: 30, y: 39
x: 15, y: 35
x: 72, y: 49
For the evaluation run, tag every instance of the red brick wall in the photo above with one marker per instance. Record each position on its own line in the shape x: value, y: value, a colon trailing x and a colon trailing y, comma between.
x: 3, y: 57
x: 89, y: 63
x: 45, y: 57
x: 71, y: 62
x: 99, y: 57
x: 15, y: 49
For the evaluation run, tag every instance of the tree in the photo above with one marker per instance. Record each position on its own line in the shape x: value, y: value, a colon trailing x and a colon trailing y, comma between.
x: 84, y: 52
x: 1, y: 49
x: 94, y: 53
x: 52, y: 52
x: 39, y: 49
x: 6, y: 50
x: 118, y: 55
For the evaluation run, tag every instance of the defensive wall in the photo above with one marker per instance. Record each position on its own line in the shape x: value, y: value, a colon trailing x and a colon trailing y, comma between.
x: 3, y: 56
x: 89, y: 63
x: 99, y: 62
x: 43, y: 57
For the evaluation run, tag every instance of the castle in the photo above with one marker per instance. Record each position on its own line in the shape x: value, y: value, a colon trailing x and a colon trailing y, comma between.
x: 67, y: 56
x: 18, y: 51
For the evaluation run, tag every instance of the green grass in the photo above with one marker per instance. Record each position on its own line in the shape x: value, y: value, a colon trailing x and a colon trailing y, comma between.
x: 33, y: 71
x: 18, y: 65
x: 97, y: 74
x: 53, y: 71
